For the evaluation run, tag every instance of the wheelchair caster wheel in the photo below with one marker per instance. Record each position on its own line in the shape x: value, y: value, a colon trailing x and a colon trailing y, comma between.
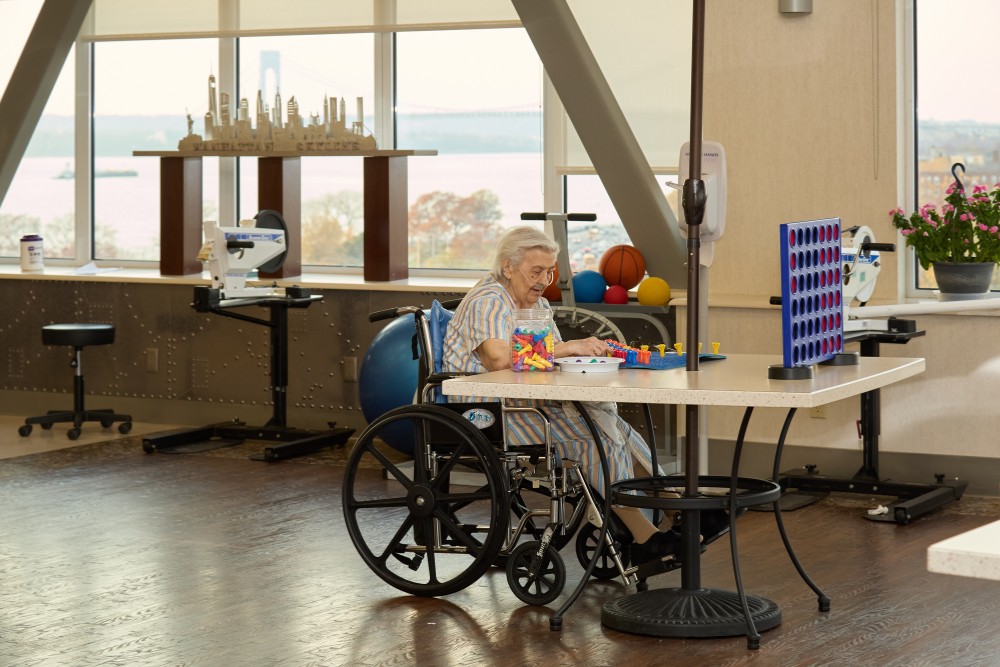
x: 73, y: 433
x: 124, y: 427
x: 24, y: 431
x: 535, y: 579
x: 586, y: 544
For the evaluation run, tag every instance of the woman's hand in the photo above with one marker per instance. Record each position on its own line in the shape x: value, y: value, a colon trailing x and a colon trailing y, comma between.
x: 585, y: 347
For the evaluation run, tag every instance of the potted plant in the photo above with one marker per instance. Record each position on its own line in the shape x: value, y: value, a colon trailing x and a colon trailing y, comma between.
x: 961, y: 242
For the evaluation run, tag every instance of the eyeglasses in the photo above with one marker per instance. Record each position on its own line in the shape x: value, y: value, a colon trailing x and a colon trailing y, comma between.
x: 545, y: 276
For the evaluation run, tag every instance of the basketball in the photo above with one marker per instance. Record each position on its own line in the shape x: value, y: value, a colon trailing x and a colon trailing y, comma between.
x: 616, y: 294
x: 654, y: 292
x: 622, y: 265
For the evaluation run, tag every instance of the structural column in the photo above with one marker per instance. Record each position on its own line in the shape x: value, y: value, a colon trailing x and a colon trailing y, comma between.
x: 386, y: 218
x: 279, y: 188
x: 180, y: 215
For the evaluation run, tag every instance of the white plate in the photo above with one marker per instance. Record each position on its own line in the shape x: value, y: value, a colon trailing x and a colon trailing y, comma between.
x: 589, y: 364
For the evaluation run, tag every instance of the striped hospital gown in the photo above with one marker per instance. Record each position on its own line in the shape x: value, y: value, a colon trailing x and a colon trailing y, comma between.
x: 487, y: 312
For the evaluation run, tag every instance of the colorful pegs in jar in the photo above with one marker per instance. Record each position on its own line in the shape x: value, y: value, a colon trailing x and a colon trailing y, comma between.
x: 532, y: 343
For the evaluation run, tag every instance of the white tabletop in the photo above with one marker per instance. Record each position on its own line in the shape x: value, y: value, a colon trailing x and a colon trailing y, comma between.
x: 740, y: 380
x: 975, y: 553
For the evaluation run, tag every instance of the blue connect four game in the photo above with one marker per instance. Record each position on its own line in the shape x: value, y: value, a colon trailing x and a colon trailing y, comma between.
x: 812, y: 327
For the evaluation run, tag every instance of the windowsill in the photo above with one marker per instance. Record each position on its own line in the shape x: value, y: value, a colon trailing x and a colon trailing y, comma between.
x: 759, y: 302
x: 332, y: 281
x: 312, y: 280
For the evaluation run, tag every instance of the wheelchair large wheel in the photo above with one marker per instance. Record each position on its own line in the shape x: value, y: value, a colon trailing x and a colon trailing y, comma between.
x: 535, y: 579
x: 436, y: 529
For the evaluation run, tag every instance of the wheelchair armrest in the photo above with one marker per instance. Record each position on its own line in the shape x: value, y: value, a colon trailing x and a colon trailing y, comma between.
x: 438, y: 378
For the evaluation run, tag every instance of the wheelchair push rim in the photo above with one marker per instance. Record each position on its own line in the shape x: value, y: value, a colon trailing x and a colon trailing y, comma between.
x: 427, y: 531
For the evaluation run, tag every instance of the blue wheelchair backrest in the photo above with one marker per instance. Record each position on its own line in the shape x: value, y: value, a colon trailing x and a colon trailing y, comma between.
x: 437, y: 322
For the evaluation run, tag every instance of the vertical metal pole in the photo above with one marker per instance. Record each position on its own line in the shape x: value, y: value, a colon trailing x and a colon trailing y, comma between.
x: 694, y: 211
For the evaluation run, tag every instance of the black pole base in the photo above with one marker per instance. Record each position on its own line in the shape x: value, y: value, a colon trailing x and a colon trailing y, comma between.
x: 779, y: 372
x: 677, y: 612
x: 843, y: 359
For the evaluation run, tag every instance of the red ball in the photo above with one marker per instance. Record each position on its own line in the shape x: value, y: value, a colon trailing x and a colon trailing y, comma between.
x: 616, y: 294
x: 622, y: 265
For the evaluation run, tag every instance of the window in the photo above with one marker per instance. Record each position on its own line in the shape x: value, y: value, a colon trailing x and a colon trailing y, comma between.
x: 313, y: 69
x: 41, y: 196
x: 957, y: 110
x: 141, y: 93
x: 589, y: 240
x: 475, y: 97
x: 472, y: 94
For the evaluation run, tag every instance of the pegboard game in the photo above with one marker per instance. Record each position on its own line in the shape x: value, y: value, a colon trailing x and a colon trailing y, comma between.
x: 812, y: 327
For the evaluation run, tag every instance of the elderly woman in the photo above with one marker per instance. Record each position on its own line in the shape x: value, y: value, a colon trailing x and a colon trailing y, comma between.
x: 478, y: 340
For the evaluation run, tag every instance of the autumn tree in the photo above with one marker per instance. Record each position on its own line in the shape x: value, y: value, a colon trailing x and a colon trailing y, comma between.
x: 450, y: 231
x: 332, y: 229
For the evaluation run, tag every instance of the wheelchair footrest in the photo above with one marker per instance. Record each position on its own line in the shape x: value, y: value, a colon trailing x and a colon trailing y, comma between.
x: 655, y: 567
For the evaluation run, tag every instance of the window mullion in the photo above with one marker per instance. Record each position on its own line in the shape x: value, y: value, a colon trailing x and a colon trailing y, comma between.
x: 83, y: 151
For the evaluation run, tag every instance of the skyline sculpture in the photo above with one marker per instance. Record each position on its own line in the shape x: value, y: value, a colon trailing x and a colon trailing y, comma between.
x: 273, y: 133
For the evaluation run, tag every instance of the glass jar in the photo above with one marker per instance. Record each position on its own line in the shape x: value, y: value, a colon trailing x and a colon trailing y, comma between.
x: 532, y: 343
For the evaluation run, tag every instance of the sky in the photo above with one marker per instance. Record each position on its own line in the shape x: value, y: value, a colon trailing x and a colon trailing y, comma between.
x: 955, y: 70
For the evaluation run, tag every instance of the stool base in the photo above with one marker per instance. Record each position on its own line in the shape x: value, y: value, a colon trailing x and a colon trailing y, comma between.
x: 77, y: 418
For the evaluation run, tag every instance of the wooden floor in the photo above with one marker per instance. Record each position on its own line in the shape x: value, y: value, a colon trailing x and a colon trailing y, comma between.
x: 109, y: 556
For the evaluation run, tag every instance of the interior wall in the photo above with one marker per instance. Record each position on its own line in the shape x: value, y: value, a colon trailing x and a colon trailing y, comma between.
x: 172, y: 365
x: 805, y: 106
x: 806, y: 109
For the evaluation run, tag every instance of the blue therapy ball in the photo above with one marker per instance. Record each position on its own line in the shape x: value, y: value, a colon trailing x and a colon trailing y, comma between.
x: 388, y: 379
x: 589, y: 287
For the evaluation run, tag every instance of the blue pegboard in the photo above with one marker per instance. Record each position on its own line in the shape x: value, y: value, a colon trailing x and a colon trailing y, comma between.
x: 812, y: 326
x: 652, y: 359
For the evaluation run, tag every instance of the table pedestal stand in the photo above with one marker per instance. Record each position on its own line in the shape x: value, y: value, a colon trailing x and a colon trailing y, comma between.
x: 693, y: 611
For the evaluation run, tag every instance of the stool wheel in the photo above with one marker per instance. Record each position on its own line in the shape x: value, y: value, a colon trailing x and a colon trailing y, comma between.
x: 73, y: 433
x: 46, y: 425
x: 106, y: 423
x: 124, y: 427
x: 24, y: 430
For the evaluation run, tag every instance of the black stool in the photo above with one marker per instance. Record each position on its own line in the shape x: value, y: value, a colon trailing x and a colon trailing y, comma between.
x: 78, y: 336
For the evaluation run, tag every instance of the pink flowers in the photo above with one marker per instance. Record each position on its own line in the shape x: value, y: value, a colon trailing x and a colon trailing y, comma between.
x: 966, y: 228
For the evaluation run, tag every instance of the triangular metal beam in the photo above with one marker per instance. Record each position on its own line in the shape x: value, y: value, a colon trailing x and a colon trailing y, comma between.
x: 607, y: 136
x: 33, y: 79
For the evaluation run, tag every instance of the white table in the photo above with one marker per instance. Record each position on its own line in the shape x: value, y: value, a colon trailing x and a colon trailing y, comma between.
x: 739, y: 380
x: 975, y: 553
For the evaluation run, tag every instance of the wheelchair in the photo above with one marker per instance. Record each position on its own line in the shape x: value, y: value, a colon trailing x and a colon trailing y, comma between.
x: 468, y: 501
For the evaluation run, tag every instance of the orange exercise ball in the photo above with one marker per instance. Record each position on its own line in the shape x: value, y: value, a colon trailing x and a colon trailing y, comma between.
x: 552, y: 292
x: 622, y: 265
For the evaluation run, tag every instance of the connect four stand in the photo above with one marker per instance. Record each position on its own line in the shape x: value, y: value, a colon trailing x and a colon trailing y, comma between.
x: 812, y: 324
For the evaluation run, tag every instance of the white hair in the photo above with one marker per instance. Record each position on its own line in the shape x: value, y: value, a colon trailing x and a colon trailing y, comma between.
x: 513, y: 245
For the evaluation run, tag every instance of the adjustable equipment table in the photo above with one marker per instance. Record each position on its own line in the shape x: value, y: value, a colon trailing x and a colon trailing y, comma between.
x: 294, y: 441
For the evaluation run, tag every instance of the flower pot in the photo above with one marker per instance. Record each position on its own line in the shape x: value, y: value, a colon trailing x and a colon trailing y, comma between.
x: 963, y: 280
